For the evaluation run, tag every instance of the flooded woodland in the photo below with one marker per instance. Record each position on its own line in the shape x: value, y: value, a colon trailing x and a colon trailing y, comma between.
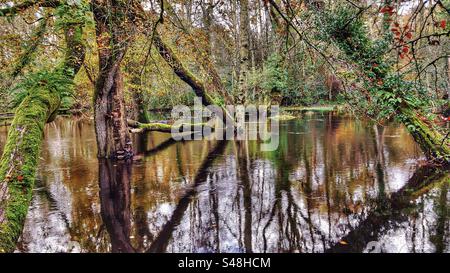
x: 212, y: 126
x: 335, y: 184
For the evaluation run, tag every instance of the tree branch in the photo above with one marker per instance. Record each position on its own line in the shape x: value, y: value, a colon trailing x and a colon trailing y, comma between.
x: 13, y: 10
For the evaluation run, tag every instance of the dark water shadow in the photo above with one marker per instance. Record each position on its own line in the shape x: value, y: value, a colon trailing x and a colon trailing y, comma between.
x: 388, y: 211
x: 161, y: 242
x: 114, y: 182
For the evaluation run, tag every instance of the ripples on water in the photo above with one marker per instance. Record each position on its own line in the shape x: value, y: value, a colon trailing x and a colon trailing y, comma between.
x: 334, y: 184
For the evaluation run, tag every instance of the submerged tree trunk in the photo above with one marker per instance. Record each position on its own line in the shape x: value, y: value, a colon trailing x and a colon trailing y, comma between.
x: 113, y: 138
x: 162, y: 127
x: 21, y: 152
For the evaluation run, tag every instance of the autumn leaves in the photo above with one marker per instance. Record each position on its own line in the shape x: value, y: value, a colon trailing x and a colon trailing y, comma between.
x: 403, y: 33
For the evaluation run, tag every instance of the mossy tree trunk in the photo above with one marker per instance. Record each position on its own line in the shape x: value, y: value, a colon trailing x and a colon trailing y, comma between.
x: 21, y: 152
x: 113, y: 36
x: 432, y: 143
x: 162, y: 127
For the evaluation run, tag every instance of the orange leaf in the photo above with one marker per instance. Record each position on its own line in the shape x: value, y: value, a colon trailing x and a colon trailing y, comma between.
x: 20, y: 178
x: 342, y: 242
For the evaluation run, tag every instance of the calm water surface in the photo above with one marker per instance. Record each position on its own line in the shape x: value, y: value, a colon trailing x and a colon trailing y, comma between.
x: 335, y: 184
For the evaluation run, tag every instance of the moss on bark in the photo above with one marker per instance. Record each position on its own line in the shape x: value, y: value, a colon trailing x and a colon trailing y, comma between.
x: 19, y: 162
x: 21, y: 152
x: 161, y: 127
x: 433, y: 144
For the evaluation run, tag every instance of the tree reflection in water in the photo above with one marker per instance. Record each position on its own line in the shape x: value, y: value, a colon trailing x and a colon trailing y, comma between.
x: 295, y: 225
x: 114, y: 182
x: 334, y: 185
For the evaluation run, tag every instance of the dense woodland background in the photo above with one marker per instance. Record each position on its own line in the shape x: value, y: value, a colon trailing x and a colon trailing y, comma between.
x: 287, y: 51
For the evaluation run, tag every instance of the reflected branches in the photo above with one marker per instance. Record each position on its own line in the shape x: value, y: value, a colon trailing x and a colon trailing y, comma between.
x: 389, y: 212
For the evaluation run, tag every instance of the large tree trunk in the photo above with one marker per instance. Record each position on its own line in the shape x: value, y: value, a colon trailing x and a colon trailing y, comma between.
x: 21, y: 152
x: 113, y: 139
x: 244, y: 53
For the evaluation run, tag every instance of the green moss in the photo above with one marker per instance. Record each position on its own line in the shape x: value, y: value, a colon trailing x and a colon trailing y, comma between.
x: 283, y: 117
x: 429, y: 139
x: 163, y: 127
x: 311, y: 108
x: 20, y: 159
x: 21, y: 152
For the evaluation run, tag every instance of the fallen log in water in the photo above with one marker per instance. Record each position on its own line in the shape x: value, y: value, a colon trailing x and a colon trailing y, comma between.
x: 162, y: 126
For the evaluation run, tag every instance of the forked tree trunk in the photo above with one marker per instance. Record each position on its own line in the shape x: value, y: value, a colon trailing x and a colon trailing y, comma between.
x: 21, y: 152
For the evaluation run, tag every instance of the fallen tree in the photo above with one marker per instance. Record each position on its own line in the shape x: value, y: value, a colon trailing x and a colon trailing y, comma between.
x: 21, y: 152
x: 139, y: 127
x: 188, y: 77
x: 213, y: 83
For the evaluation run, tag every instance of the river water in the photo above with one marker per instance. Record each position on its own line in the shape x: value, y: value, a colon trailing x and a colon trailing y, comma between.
x: 335, y: 184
